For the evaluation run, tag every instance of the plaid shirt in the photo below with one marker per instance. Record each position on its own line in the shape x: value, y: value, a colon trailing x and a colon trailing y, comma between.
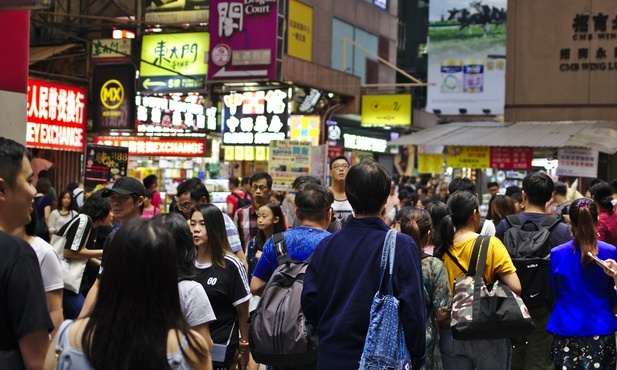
x: 246, y: 221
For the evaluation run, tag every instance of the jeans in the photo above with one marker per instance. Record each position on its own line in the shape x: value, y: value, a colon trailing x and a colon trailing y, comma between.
x: 72, y: 304
x: 473, y: 354
x: 536, y: 354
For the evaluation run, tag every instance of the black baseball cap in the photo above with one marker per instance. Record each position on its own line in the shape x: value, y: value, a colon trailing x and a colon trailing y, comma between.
x: 126, y: 186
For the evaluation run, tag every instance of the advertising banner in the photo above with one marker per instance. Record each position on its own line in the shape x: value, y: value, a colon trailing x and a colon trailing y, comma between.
x: 254, y: 117
x: 177, y: 11
x: 392, y: 109
x: 364, y: 143
x: 468, y: 156
x: 174, y: 115
x: 244, y: 37
x: 305, y: 128
x: 111, y: 50
x: 288, y: 160
x: 577, y: 162
x: 511, y: 158
x: 174, y: 61
x: 104, y: 164
x: 430, y: 163
x: 466, y: 57
x: 56, y: 116
x: 113, y: 87
x: 300, y: 31
x: 148, y: 146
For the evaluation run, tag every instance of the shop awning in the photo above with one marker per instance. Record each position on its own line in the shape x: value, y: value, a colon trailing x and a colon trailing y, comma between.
x: 40, y: 53
x: 600, y: 135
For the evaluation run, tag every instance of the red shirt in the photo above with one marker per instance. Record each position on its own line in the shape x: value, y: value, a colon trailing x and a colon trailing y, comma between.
x: 607, y: 227
x: 231, y: 198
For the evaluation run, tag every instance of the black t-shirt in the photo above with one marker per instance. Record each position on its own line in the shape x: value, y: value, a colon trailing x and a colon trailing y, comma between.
x: 106, y: 245
x: 226, y: 288
x: 23, y: 306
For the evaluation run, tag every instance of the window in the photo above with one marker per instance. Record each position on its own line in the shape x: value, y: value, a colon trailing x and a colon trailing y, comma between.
x: 356, y: 60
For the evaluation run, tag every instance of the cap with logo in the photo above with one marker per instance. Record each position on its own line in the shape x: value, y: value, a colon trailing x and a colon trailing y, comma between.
x: 126, y: 186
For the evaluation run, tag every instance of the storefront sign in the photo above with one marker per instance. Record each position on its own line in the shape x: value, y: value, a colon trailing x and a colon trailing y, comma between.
x: 335, y: 151
x: 56, y: 116
x: 148, y: 146
x: 111, y: 50
x: 430, y: 163
x: 174, y: 61
x: 305, y: 128
x: 386, y: 109
x: 511, y: 158
x: 178, y: 115
x: 193, y: 11
x: 288, y: 160
x: 468, y: 156
x: 244, y: 36
x: 300, y: 31
x: 578, y: 162
x: 242, y: 153
x: 365, y: 143
x: 113, y: 86
x: 255, y: 117
x: 104, y: 164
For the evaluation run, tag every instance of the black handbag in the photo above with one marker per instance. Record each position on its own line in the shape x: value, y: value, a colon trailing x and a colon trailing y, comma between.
x: 486, y: 312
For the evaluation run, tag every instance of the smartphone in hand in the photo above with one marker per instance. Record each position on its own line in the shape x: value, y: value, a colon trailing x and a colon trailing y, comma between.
x: 601, y: 263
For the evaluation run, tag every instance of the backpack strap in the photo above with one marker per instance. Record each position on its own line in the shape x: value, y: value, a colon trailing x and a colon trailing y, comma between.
x: 513, y: 220
x: 280, y: 249
x: 549, y: 222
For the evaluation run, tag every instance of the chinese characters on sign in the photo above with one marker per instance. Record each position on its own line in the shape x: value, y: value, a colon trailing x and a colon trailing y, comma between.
x: 577, y: 162
x: 255, y: 118
x: 145, y: 146
x: 56, y: 116
x: 113, y: 87
x: 300, y: 30
x: 104, y: 164
x: 174, y: 115
x: 111, y: 50
x: 511, y: 158
x: 430, y: 163
x: 288, y: 160
x: 468, y: 156
x: 587, y: 27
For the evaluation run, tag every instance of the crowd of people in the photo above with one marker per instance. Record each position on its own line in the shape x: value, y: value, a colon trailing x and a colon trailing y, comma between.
x: 176, y: 290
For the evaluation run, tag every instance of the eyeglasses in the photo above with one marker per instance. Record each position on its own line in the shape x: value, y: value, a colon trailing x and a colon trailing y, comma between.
x: 185, y: 207
x: 340, y: 167
x: 260, y: 187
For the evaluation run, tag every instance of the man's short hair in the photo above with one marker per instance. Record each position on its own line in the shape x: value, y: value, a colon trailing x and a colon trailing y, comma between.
x: 12, y: 155
x: 460, y: 183
x: 337, y: 158
x: 560, y: 188
x: 303, y: 180
x: 538, y: 187
x: 512, y: 189
x: 262, y: 175
x: 492, y: 184
x: 195, y: 188
x: 367, y: 186
x: 96, y: 206
x: 245, y: 180
x: 234, y: 181
x: 149, y: 181
x: 313, y: 201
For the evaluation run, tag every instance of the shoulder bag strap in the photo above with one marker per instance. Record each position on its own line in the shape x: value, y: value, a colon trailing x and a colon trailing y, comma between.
x: 513, y: 220
x: 385, y: 257
x: 549, y: 222
x: 280, y: 249
x: 391, y: 244
x: 473, y: 262
x: 483, y: 253
x: 456, y: 262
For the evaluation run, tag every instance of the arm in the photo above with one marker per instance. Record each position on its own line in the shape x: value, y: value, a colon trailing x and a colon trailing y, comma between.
x: 310, y: 294
x: 512, y: 281
x: 257, y: 285
x: 242, y: 258
x: 54, y: 302
x: 33, y: 347
x: 204, y: 331
x: 243, y: 350
x: 83, y: 253
x: 230, y: 209
x: 47, y: 211
x: 442, y: 299
x: 197, y: 362
x: 90, y: 300
x: 53, y: 217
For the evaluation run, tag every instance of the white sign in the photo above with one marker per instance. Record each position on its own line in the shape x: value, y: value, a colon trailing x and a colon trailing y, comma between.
x: 174, y: 114
x: 356, y: 142
x: 109, y: 49
x: 577, y: 162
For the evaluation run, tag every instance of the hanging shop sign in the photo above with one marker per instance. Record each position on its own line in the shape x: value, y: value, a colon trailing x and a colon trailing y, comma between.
x: 56, y: 116
x: 174, y: 61
x: 468, y: 156
x: 335, y: 151
x: 255, y: 117
x: 111, y: 50
x: 113, y: 86
x: 244, y: 40
x: 430, y: 163
x: 577, y: 162
x: 288, y: 160
x: 193, y: 11
x: 365, y: 143
x: 243, y: 153
x: 148, y: 146
x: 386, y: 109
x: 300, y: 31
x: 104, y: 164
x: 174, y: 115
x: 511, y: 158
x: 305, y: 128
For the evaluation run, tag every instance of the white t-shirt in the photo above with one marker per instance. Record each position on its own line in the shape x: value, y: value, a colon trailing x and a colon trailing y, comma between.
x: 49, y: 262
x: 78, y: 195
x: 195, y: 303
x: 488, y: 229
x: 342, y: 210
x: 57, y: 220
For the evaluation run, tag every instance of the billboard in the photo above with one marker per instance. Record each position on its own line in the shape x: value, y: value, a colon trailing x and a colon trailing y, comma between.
x: 379, y: 110
x: 174, y: 115
x: 104, y: 165
x: 113, y: 87
x: 466, y: 57
x: 174, y: 61
x: 177, y: 11
x: 56, y: 116
x: 300, y: 31
x: 244, y: 39
x: 150, y: 146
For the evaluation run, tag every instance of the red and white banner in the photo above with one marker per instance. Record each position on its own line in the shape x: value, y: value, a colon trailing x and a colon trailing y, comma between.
x: 511, y: 158
x: 149, y: 146
x: 56, y: 116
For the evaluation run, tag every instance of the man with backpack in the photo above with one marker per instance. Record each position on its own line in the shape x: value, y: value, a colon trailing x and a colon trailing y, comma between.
x: 238, y: 198
x: 529, y: 236
x: 314, y: 211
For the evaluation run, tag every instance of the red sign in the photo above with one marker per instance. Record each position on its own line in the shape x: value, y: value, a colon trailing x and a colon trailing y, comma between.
x: 511, y: 158
x: 56, y: 116
x: 335, y: 151
x: 147, y: 146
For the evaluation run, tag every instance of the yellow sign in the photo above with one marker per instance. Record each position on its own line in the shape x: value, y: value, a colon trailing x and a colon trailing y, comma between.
x: 229, y: 153
x: 468, y: 156
x: 261, y: 153
x: 300, y: 31
x: 430, y: 163
x: 239, y: 154
x: 305, y: 128
x: 176, y: 52
x: 386, y: 109
x: 249, y: 153
x: 112, y: 94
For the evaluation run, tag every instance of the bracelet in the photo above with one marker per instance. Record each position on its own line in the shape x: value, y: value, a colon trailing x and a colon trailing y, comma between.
x: 243, y: 342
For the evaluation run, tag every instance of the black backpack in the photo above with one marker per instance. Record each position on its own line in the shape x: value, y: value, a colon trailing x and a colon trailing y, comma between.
x: 279, y: 334
x: 242, y: 201
x: 530, y: 250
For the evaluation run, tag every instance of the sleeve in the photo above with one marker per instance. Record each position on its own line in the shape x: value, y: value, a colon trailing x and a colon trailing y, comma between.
x: 51, y: 270
x: 441, y: 296
x: 488, y: 228
x: 501, y: 261
x: 553, y: 273
x: 239, y: 291
x: 46, y: 201
x: 310, y: 293
x: 198, y: 308
x: 264, y: 269
x: 78, y: 232
x: 53, y: 217
x: 232, y: 234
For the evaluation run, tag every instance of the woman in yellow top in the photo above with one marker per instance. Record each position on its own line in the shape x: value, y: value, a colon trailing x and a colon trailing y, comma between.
x: 455, y: 239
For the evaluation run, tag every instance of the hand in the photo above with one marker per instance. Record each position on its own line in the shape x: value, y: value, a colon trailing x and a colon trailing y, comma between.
x: 243, y: 356
x: 610, y: 264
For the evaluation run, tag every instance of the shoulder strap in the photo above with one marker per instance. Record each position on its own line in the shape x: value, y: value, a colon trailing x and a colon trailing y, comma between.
x: 513, y: 220
x: 280, y: 248
x: 62, y: 336
x: 483, y: 252
x: 456, y: 262
x: 473, y: 262
x: 235, y: 195
x: 549, y: 222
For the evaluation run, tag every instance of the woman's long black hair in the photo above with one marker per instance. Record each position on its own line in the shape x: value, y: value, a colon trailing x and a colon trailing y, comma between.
x: 185, y: 248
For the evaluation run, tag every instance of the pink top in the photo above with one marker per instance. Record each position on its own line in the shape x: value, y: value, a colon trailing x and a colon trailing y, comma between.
x: 150, y: 213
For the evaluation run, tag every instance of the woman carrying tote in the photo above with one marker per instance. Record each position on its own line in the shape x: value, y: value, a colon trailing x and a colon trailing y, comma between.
x: 456, y: 238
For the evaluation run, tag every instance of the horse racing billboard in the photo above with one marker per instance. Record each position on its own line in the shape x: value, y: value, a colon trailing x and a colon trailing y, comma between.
x: 467, y: 57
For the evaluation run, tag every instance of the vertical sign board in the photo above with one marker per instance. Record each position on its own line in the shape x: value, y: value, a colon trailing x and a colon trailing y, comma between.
x: 288, y: 160
x: 300, y: 31
x: 104, y: 164
x: 244, y: 40
x: 56, y: 116
x: 113, y: 87
x: 577, y: 162
x: 466, y: 56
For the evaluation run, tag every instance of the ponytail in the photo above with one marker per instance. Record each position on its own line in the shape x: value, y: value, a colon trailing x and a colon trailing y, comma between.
x: 444, y: 237
x: 584, y: 216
